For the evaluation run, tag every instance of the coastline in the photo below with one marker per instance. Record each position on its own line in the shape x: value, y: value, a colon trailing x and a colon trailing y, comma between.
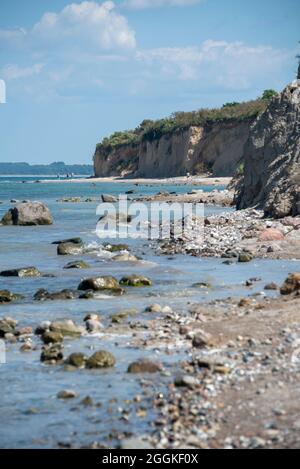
x: 193, y: 180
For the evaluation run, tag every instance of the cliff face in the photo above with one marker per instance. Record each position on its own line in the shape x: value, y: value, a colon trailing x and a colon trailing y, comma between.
x: 271, y: 178
x: 216, y: 148
x: 120, y: 161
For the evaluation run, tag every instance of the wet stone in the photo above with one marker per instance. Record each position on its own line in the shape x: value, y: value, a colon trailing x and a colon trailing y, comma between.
x: 69, y: 249
x: 7, y: 297
x: 78, y: 360
x: 135, y: 281
x: 66, y: 394
x: 77, y: 265
x: 105, y: 283
x: 22, y: 272
x: 52, y: 354
x: 101, y: 359
x: 66, y: 328
x: 52, y: 337
x: 144, y: 366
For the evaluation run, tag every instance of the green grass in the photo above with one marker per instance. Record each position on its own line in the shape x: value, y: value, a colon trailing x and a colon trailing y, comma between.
x: 150, y: 130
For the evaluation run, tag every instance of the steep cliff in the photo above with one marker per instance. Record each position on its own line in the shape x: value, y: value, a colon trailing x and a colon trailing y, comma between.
x: 119, y: 161
x: 215, y: 148
x: 204, y: 141
x: 271, y: 179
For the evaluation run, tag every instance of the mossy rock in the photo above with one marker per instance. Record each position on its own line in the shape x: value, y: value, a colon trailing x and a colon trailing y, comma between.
x: 135, y: 281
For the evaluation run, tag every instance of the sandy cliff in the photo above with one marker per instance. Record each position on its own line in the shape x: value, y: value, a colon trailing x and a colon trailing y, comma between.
x: 215, y: 148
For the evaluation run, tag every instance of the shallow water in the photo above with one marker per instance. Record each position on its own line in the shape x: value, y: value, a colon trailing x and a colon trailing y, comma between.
x: 31, y: 415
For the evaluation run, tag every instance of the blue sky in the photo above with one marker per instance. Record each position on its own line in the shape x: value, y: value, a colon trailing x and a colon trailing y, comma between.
x: 77, y: 71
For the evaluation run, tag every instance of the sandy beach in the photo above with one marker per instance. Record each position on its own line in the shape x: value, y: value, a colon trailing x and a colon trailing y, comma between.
x: 193, y: 180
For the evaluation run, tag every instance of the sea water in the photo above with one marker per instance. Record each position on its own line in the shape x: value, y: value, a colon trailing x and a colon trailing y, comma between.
x: 31, y: 415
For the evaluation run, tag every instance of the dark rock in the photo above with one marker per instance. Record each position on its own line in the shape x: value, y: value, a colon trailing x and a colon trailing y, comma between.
x: 77, y: 265
x: 52, y: 354
x: 87, y: 401
x: 22, y: 272
x: 70, y: 240
x: 7, y: 297
x: 87, y: 295
x: 43, y: 295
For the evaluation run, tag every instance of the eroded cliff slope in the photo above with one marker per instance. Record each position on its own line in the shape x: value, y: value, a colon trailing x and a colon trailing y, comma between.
x: 206, y: 141
x: 271, y: 179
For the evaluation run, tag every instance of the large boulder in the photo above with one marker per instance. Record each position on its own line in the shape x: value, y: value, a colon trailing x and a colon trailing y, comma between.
x: 101, y: 359
x: 69, y: 249
x: 28, y: 214
x: 66, y: 328
x: 291, y: 285
x: 7, y: 297
x: 105, y: 283
x: 22, y: 272
x: 272, y: 158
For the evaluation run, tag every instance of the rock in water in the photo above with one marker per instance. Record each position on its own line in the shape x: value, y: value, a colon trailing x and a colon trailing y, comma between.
x: 105, y: 283
x: 69, y: 240
x: 69, y: 249
x: 6, y: 296
x: 77, y: 360
x: 28, y: 214
x: 23, y: 272
x: 291, y: 285
x: 66, y: 394
x: 66, y: 328
x: 106, y: 198
x: 135, y: 281
x: 272, y: 158
x: 77, y: 265
x: 101, y: 359
x: 144, y: 366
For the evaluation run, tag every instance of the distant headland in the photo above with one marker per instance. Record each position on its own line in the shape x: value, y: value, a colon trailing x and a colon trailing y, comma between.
x: 54, y: 169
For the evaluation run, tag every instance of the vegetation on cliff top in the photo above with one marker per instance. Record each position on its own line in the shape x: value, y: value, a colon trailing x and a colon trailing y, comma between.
x: 150, y: 130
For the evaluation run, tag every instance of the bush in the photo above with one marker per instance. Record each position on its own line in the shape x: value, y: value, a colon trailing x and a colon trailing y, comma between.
x: 268, y: 94
x: 152, y: 130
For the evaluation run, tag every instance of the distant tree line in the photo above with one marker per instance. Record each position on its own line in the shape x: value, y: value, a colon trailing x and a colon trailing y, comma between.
x: 52, y: 169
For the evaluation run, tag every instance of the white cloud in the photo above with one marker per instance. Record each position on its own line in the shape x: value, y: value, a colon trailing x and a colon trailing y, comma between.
x: 14, y: 72
x: 78, y: 26
x: 142, y: 4
x: 231, y: 65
